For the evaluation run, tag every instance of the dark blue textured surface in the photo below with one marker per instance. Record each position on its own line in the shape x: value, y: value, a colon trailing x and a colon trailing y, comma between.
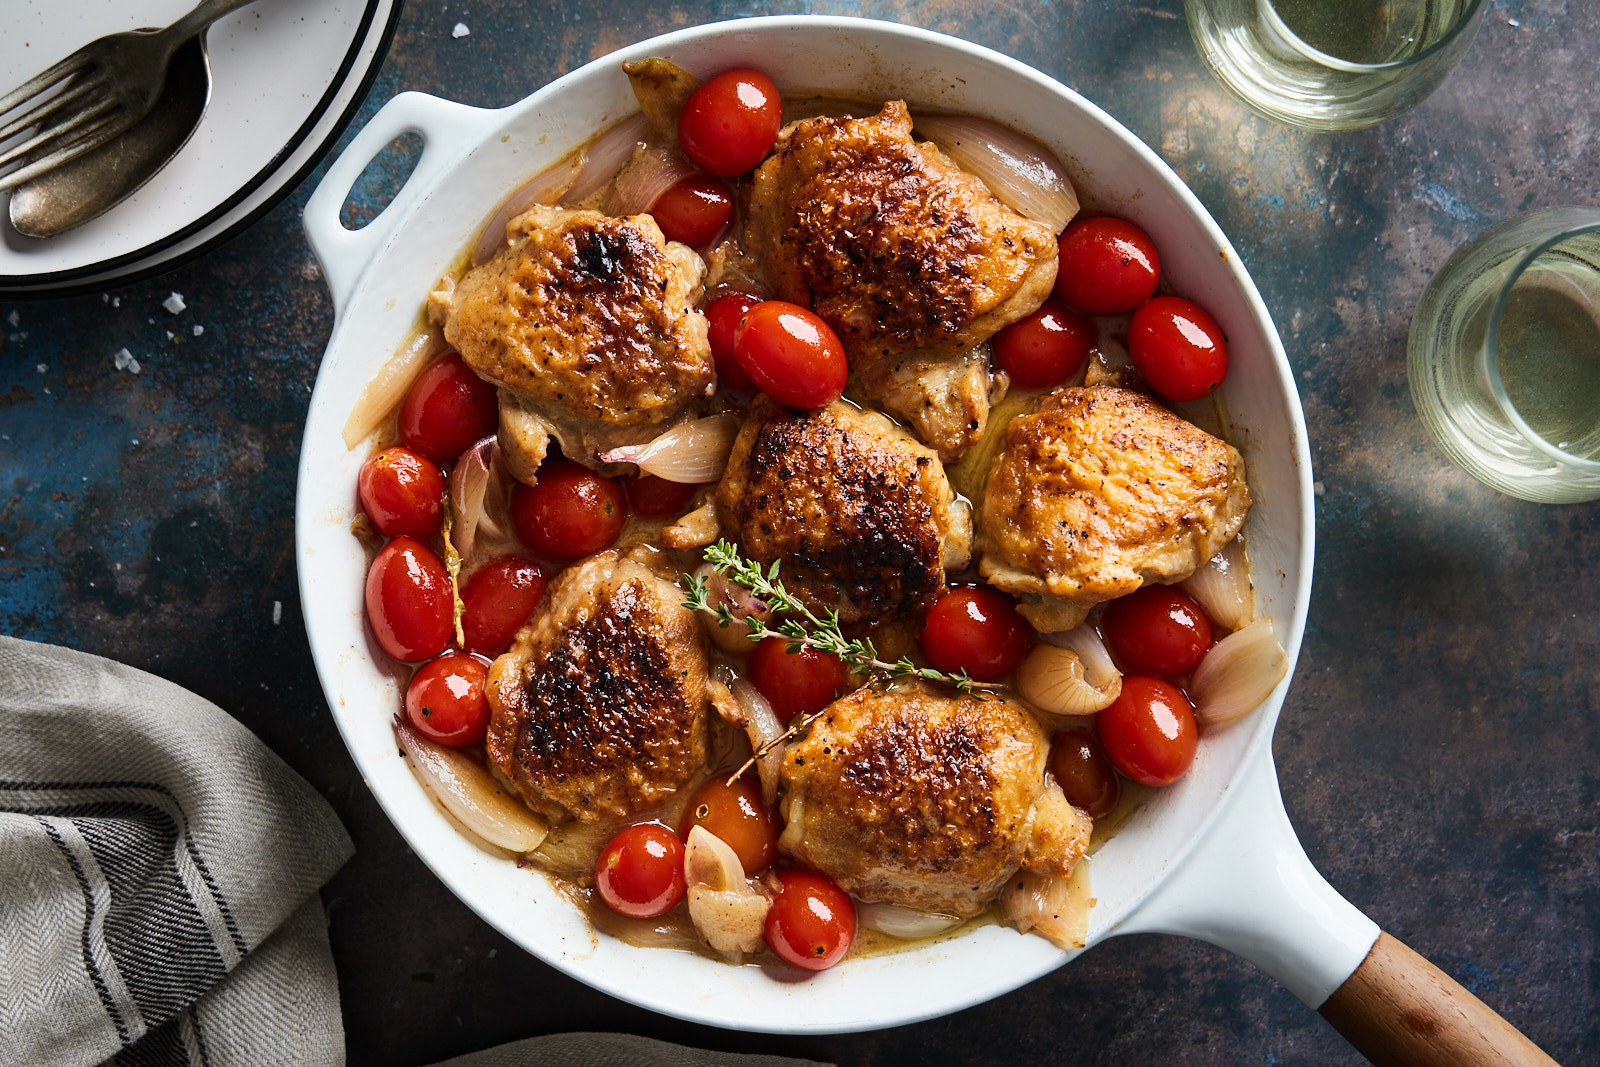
x: 1438, y: 750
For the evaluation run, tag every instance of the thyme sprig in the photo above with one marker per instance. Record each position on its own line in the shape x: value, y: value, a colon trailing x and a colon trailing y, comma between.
x: 452, y: 564
x: 799, y: 625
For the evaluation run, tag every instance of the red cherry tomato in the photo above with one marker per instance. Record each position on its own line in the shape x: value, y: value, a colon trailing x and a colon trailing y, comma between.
x: 693, y: 210
x: 1083, y: 772
x: 497, y: 601
x: 1157, y: 630
x: 978, y: 630
x: 812, y: 921
x: 656, y: 498
x: 1149, y: 731
x: 571, y: 512
x: 1046, y: 348
x: 447, y: 410
x: 402, y: 492
x: 408, y: 600
x: 445, y: 700
x: 722, y: 320
x: 736, y: 815
x: 795, y: 683
x: 1107, y: 266
x: 640, y: 871
x: 791, y: 354
x: 728, y: 125
x: 1177, y: 348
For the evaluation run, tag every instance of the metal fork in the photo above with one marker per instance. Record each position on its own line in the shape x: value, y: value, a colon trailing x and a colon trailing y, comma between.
x: 93, y: 95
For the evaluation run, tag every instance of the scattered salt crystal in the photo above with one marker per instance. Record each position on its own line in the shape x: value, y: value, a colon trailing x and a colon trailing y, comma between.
x: 135, y: 441
x: 1318, y: 488
x: 199, y: 329
x: 174, y: 303
x: 277, y: 612
x: 1513, y: 23
x: 15, y: 318
x: 460, y: 30
x: 42, y: 367
x: 105, y: 298
x: 124, y: 360
x: 171, y: 335
x: 116, y: 301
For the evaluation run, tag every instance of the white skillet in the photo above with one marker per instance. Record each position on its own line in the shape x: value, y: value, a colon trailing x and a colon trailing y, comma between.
x: 1212, y: 857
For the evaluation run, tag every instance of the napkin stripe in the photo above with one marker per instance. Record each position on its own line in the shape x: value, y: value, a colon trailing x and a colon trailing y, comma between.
x: 90, y: 963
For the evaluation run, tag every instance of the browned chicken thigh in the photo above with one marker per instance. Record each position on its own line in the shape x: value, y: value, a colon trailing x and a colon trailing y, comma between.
x: 1097, y: 492
x: 860, y: 514
x: 920, y: 797
x: 903, y: 253
x: 587, y: 324
x: 601, y: 707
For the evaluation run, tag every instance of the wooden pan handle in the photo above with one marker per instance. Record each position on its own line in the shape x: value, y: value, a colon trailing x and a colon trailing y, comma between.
x: 1399, y: 1009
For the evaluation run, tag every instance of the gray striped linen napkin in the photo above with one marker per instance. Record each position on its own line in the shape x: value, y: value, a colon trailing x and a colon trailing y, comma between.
x: 159, y: 869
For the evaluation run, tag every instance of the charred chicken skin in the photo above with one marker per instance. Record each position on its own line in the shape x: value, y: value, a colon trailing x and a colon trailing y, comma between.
x: 923, y: 798
x: 600, y: 709
x: 860, y: 514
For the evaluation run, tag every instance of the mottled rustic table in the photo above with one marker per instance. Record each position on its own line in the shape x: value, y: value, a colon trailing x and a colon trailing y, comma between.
x: 1438, y: 750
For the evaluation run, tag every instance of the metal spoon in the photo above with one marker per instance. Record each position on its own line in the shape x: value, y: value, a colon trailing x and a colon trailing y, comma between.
x: 78, y: 190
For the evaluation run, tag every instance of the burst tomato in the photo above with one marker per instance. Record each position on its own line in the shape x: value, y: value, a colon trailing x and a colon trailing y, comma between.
x: 1084, y: 773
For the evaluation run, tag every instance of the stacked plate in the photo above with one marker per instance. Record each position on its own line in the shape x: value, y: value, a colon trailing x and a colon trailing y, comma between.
x: 286, y: 77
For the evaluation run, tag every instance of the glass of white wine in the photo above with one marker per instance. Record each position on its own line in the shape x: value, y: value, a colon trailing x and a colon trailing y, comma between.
x: 1504, y: 356
x: 1332, y: 64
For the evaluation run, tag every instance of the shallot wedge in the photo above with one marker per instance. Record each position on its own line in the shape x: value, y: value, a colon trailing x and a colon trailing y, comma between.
x: 726, y: 910
x: 479, y: 497
x: 471, y: 794
x: 608, y: 154
x: 653, y: 170
x: 662, y: 88
x: 548, y: 187
x: 734, y: 638
x: 1237, y: 674
x: 762, y: 724
x: 1051, y: 906
x: 1070, y: 673
x: 691, y: 452
x: 908, y: 924
x: 390, y: 385
x: 1023, y: 174
x: 1222, y: 586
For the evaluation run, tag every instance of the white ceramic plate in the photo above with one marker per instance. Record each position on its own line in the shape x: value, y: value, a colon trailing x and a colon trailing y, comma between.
x: 286, y: 76
x: 1211, y: 856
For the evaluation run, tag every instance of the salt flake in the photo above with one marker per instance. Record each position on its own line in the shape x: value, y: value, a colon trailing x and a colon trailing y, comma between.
x: 460, y: 30
x: 174, y: 303
x: 124, y: 360
x: 277, y: 612
x: 15, y: 318
x: 199, y: 329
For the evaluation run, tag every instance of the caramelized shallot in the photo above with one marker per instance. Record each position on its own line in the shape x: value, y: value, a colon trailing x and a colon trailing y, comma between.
x: 608, y: 154
x: 692, y: 452
x: 1238, y: 673
x: 1070, y: 674
x: 547, y: 188
x: 390, y: 385
x: 471, y: 794
x: 727, y: 912
x: 734, y: 638
x: 762, y: 724
x: 1222, y: 587
x: 1054, y: 907
x: 479, y: 495
x: 653, y: 170
x: 908, y: 924
x: 1022, y: 173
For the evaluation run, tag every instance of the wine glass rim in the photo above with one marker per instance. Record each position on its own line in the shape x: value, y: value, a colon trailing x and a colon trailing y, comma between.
x: 1326, y: 59
x: 1491, y: 348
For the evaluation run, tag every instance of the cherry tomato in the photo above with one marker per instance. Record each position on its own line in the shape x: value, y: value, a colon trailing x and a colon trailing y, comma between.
x: 497, y: 601
x: 1177, y: 348
x: 1157, y: 630
x: 795, y: 683
x: 640, y: 871
x: 978, y: 630
x: 791, y: 354
x: 693, y: 210
x: 445, y: 700
x: 1107, y: 266
x: 1046, y: 348
x: 1149, y: 731
x: 728, y: 125
x: 1083, y: 772
x: 812, y: 921
x: 571, y: 512
x: 656, y: 498
x: 722, y: 319
x: 408, y: 600
x: 736, y: 815
x: 447, y: 410
x: 402, y: 492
